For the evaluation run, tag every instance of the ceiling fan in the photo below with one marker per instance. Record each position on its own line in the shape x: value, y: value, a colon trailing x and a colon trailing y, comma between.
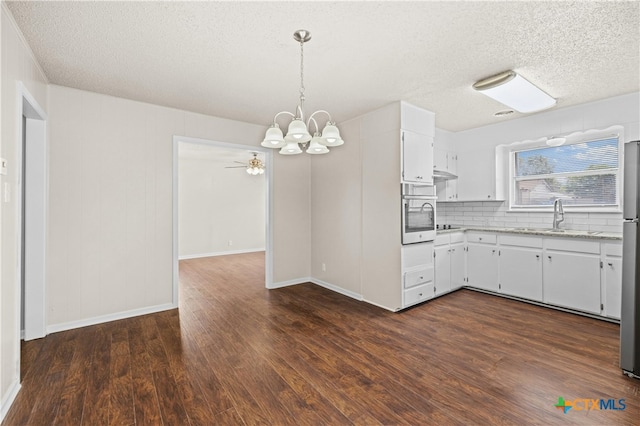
x: 254, y: 167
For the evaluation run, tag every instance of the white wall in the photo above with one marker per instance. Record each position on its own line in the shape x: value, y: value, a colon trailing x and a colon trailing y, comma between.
x: 477, y: 166
x: 17, y: 64
x: 110, y: 245
x: 218, y: 205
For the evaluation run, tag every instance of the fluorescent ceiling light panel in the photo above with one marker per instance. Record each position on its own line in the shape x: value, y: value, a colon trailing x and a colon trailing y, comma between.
x: 513, y: 90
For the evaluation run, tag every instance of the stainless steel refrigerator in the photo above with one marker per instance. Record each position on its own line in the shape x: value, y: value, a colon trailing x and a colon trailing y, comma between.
x: 630, y: 309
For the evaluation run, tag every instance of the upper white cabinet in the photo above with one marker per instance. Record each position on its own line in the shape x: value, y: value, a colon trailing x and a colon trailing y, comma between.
x: 417, y: 120
x: 417, y: 158
x: 418, y: 128
x: 476, y: 172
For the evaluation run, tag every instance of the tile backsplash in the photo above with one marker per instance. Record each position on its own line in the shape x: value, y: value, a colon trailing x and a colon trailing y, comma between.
x: 496, y: 214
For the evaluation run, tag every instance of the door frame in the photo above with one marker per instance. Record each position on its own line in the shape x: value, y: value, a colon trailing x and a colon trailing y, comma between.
x: 268, y: 208
x: 35, y: 153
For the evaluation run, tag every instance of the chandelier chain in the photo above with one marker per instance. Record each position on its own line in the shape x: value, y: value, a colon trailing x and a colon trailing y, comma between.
x: 301, y: 75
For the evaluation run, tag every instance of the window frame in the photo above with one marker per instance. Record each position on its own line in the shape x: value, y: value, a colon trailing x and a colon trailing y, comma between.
x: 572, y: 139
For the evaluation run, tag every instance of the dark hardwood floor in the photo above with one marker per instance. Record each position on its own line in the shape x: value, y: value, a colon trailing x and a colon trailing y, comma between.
x: 236, y: 353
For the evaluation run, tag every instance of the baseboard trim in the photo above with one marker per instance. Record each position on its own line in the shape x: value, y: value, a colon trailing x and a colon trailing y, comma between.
x: 219, y: 253
x: 289, y: 283
x: 337, y: 289
x: 55, y: 328
x: 8, y: 399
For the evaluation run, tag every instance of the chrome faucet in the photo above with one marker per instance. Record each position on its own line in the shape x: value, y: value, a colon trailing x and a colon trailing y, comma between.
x: 558, y: 213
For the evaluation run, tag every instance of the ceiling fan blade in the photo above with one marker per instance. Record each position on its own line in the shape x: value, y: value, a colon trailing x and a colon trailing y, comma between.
x: 236, y: 167
x: 240, y: 162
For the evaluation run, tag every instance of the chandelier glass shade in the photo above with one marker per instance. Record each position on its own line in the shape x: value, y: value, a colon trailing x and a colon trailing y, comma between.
x: 298, y: 130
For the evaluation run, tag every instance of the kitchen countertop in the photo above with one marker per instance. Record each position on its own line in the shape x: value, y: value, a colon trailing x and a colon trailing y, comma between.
x: 544, y: 232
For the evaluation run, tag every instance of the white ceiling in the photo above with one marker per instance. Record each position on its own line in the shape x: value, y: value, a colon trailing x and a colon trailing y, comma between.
x: 238, y: 59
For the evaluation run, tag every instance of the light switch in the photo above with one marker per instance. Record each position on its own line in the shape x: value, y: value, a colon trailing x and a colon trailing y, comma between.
x: 3, y: 166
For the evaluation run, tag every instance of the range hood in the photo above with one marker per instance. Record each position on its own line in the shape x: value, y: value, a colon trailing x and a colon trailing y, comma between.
x: 442, y: 175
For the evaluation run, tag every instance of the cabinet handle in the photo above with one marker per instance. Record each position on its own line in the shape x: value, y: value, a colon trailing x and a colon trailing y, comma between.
x: 480, y: 239
x: 549, y: 257
x: 421, y: 278
x: 610, y: 264
x: 493, y: 251
x: 452, y: 250
x: 420, y: 295
x: 537, y: 256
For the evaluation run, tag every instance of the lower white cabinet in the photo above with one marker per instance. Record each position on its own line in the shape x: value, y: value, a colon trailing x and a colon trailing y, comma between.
x: 571, y: 277
x: 521, y: 266
x: 579, y: 274
x: 482, y: 261
x: 612, y: 279
x: 449, y: 262
x: 417, y: 273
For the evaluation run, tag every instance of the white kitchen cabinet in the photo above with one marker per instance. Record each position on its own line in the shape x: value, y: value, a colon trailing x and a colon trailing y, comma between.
x: 476, y: 172
x: 612, y: 280
x: 417, y: 273
x: 482, y: 261
x: 442, y: 269
x: 571, y: 274
x: 440, y: 158
x: 449, y: 262
x: 521, y: 272
x: 457, y: 261
x: 447, y: 190
x: 417, y: 158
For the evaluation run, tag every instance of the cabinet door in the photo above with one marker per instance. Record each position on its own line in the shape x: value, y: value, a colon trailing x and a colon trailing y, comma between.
x: 482, y: 266
x: 457, y: 265
x: 613, y: 283
x: 443, y: 269
x: 572, y: 280
x: 439, y: 159
x: 521, y: 272
x: 417, y: 158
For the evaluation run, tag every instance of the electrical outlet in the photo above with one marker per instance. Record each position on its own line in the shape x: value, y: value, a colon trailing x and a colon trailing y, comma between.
x: 230, y: 242
x: 324, y: 268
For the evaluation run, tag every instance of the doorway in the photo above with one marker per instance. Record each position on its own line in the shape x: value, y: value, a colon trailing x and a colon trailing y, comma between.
x: 228, y: 212
x: 32, y: 205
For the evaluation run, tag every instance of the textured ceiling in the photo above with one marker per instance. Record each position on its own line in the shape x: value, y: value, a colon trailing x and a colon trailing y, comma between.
x: 238, y: 59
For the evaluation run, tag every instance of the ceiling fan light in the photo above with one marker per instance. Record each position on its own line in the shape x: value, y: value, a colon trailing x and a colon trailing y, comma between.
x: 291, y: 148
x: 273, y: 138
x: 511, y: 89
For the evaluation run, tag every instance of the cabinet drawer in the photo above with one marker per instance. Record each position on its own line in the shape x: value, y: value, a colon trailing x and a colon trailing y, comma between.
x: 613, y: 249
x: 521, y: 241
x: 481, y: 237
x: 572, y: 244
x: 418, y: 294
x: 457, y: 237
x: 417, y: 254
x: 442, y: 239
x: 418, y: 276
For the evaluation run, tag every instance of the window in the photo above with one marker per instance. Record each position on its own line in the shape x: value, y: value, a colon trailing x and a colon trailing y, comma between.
x: 585, y: 174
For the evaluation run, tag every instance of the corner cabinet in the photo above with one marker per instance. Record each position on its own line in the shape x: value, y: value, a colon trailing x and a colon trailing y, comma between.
x: 417, y: 158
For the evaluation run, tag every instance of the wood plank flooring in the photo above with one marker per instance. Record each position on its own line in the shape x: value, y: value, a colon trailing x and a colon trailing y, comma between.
x: 238, y: 354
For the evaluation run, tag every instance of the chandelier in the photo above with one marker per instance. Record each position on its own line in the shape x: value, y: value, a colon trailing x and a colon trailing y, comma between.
x: 298, y: 131
x: 255, y: 167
